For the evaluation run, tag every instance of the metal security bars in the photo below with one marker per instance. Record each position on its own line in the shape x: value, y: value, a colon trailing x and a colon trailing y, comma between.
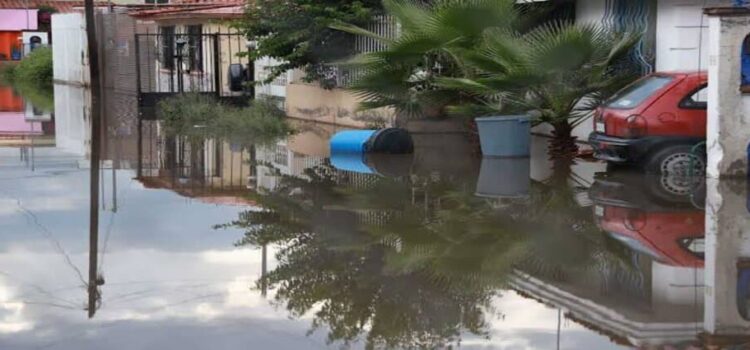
x: 170, y: 62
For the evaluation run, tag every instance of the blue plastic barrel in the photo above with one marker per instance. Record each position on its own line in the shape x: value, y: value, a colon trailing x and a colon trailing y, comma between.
x: 505, y: 136
x: 353, y: 162
x: 351, y: 141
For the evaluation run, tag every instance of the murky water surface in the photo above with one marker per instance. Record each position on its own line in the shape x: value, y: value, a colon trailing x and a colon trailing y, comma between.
x: 211, y: 244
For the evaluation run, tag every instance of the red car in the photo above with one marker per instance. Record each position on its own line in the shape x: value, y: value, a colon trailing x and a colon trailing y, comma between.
x: 655, y: 122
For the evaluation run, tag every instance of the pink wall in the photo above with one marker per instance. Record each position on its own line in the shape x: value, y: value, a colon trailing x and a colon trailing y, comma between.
x: 14, y: 123
x: 13, y: 20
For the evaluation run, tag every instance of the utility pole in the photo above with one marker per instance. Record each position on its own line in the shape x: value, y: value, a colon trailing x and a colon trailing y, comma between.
x: 93, y: 51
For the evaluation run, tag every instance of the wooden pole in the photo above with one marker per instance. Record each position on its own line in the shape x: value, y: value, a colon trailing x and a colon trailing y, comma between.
x: 93, y: 51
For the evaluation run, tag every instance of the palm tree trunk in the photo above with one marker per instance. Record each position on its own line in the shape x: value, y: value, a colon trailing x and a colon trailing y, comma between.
x: 563, y: 143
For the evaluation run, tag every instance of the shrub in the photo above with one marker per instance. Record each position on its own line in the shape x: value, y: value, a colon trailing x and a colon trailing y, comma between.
x: 194, y: 114
x: 7, y: 72
x: 35, y: 68
x: 182, y: 114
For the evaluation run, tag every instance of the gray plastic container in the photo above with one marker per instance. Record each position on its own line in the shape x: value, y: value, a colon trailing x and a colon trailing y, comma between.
x: 505, y: 136
x: 504, y: 177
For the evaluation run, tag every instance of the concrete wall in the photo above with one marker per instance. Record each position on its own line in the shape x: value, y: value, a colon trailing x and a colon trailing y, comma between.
x: 69, y: 55
x: 311, y: 102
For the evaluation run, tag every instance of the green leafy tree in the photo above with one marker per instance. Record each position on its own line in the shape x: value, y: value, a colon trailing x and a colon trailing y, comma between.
x: 297, y: 32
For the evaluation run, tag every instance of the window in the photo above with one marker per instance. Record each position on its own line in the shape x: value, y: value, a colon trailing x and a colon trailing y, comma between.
x: 195, y: 47
x: 697, y: 99
x: 696, y: 246
x: 746, y: 63
x: 166, y: 39
x: 633, y: 95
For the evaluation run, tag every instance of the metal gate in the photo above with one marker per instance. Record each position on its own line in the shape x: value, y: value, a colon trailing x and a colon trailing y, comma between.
x: 170, y: 63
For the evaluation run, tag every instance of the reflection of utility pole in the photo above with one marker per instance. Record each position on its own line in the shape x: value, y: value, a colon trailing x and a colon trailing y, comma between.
x: 559, y: 321
x: 32, y: 147
x: 94, y: 281
x: 263, y: 271
x: 96, y: 93
x: 114, y: 173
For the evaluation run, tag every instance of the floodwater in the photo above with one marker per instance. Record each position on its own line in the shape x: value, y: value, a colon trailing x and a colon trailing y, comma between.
x: 211, y: 244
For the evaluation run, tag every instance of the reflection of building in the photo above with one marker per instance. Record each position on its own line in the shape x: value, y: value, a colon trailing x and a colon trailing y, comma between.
x: 670, y: 298
x: 13, y: 24
x: 210, y: 169
x: 23, y: 124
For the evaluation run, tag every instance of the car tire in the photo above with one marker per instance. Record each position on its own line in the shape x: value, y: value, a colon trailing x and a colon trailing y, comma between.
x: 676, y: 160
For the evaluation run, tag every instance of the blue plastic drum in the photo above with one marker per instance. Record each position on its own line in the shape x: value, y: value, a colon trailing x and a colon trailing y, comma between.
x: 351, y: 141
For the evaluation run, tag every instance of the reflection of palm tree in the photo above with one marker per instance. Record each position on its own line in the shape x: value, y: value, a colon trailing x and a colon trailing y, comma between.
x: 566, y: 243
x: 425, y: 271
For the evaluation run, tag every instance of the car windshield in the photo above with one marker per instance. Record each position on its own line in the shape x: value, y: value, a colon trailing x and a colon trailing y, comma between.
x: 635, y: 94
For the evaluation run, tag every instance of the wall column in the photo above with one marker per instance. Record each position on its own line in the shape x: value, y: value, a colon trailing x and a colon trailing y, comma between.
x: 728, y: 129
x: 727, y: 252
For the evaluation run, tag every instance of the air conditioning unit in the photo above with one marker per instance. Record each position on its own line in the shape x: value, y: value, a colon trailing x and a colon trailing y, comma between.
x: 34, y: 40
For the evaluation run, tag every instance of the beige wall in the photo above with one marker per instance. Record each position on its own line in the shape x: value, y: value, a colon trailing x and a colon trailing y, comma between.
x: 311, y: 102
x: 228, y: 48
x: 234, y: 163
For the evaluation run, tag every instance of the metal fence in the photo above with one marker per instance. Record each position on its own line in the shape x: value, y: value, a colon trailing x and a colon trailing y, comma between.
x: 384, y: 26
x: 201, y: 62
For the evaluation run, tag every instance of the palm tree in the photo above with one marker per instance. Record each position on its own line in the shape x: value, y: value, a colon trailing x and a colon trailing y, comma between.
x: 430, y: 43
x: 478, y: 57
x: 559, y: 71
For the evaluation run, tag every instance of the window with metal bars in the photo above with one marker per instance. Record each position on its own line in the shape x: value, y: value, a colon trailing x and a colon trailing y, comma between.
x: 195, y: 48
x: 166, y: 42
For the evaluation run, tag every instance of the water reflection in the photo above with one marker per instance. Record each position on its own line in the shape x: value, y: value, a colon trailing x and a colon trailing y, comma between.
x: 210, y: 243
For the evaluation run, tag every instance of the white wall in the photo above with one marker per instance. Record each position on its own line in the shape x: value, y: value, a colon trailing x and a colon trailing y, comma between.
x: 72, y: 130
x: 682, y: 34
x: 69, y: 49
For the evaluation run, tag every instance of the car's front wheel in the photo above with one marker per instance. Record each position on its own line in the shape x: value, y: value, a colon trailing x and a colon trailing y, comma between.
x: 677, y: 160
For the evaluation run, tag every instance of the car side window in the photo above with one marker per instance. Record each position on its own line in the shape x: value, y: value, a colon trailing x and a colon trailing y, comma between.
x: 697, y: 99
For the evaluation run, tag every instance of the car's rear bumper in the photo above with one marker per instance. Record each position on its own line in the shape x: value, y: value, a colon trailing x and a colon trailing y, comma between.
x: 615, y: 149
x: 621, y: 150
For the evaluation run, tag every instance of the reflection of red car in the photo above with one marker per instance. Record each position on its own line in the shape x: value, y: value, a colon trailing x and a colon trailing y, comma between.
x: 655, y: 121
x: 650, y: 215
x: 675, y: 238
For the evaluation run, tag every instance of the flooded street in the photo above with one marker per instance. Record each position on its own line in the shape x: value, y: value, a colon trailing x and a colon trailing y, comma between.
x: 208, y: 243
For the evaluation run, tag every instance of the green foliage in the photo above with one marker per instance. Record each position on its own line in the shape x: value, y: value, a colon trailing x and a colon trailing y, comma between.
x: 194, y: 114
x: 550, y: 70
x: 7, y: 72
x: 432, y: 41
x: 40, y: 96
x: 35, y: 68
x: 297, y: 32
x: 444, y: 64
x: 423, y: 273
